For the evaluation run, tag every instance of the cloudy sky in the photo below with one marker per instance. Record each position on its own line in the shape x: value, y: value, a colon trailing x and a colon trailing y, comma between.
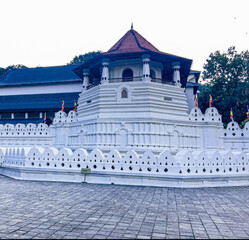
x: 51, y: 32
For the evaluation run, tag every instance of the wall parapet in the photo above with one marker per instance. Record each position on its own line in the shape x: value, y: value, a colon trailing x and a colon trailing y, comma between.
x: 211, y: 115
x: 24, y: 135
x: 184, y: 163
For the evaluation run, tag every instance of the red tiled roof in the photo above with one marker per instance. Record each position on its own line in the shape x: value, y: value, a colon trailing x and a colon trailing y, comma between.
x: 132, y: 41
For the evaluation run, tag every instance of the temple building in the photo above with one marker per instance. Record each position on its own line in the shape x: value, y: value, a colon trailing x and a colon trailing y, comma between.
x: 26, y: 94
x: 136, y: 123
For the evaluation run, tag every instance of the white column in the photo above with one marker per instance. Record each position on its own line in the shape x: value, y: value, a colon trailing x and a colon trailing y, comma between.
x: 176, y: 73
x: 146, y: 67
x: 12, y: 115
x: 85, y: 79
x: 26, y: 115
x: 40, y: 115
x: 105, y: 71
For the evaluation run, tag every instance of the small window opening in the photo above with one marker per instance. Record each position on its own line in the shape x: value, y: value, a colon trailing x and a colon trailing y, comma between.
x: 124, y: 93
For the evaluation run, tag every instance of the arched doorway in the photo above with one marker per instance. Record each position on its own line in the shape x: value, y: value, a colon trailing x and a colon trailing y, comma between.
x: 127, y: 75
x: 152, y: 74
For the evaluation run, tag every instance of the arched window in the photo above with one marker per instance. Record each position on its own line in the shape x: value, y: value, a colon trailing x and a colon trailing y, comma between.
x: 127, y: 75
x: 152, y: 74
x: 124, y: 93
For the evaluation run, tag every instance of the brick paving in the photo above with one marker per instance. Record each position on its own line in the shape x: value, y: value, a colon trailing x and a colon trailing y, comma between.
x: 30, y: 209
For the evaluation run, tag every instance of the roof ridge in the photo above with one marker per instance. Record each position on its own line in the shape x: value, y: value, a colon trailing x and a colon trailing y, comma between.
x: 6, y: 72
x: 119, y: 41
x: 134, y: 31
x: 30, y: 68
x: 39, y: 75
x: 132, y: 41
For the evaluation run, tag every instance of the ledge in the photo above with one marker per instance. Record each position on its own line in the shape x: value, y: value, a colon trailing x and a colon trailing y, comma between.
x: 35, y: 174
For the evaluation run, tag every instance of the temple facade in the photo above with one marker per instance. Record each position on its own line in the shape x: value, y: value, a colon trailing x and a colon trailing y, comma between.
x: 135, y: 124
x: 26, y: 94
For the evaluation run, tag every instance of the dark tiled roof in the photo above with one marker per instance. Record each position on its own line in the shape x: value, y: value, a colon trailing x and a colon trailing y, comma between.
x: 40, y: 75
x: 133, y: 45
x: 43, y: 102
x: 132, y: 41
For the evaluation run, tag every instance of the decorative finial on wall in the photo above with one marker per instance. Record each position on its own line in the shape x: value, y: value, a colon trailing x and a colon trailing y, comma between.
x: 132, y: 25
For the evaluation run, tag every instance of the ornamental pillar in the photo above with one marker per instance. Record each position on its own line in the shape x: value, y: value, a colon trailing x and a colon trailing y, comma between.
x: 85, y: 78
x: 176, y: 73
x: 105, y: 71
x: 146, y: 67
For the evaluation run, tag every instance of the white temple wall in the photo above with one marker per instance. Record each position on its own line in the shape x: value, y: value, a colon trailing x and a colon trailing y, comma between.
x: 157, y: 68
x: 189, y: 91
x: 136, y: 135
x: 145, y: 100
x: 236, y: 138
x: 116, y: 68
x: 198, y: 168
x: 67, y: 131
x: 25, y: 135
x: 212, y: 137
x: 41, y: 89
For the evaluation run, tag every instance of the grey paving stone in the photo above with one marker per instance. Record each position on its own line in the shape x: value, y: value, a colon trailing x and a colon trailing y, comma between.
x: 33, y: 209
x: 156, y: 236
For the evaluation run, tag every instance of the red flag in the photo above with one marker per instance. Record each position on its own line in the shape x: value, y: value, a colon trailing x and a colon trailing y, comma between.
x: 75, y: 105
x: 45, y: 118
x: 196, y: 100
x: 231, y: 114
x: 62, y: 107
x: 210, y: 101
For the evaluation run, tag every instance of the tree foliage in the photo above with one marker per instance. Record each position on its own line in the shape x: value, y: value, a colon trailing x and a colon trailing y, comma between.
x: 84, y: 57
x: 226, y: 78
x: 4, y: 70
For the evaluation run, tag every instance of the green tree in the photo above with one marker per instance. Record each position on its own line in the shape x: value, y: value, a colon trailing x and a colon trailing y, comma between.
x: 4, y: 70
x: 84, y: 57
x: 225, y: 77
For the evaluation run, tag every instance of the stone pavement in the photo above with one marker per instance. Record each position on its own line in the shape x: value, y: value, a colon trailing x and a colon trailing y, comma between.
x: 30, y: 209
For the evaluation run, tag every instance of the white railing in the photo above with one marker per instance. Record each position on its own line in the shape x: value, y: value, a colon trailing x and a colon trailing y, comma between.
x: 184, y: 163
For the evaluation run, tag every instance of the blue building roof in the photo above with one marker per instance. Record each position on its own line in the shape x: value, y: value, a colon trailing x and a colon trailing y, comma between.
x: 38, y: 102
x: 40, y: 75
x: 196, y: 73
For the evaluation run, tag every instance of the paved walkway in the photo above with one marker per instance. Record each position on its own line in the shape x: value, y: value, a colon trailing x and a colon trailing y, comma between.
x: 30, y: 209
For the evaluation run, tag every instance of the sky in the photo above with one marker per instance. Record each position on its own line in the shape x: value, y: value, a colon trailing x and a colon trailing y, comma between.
x: 51, y: 32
